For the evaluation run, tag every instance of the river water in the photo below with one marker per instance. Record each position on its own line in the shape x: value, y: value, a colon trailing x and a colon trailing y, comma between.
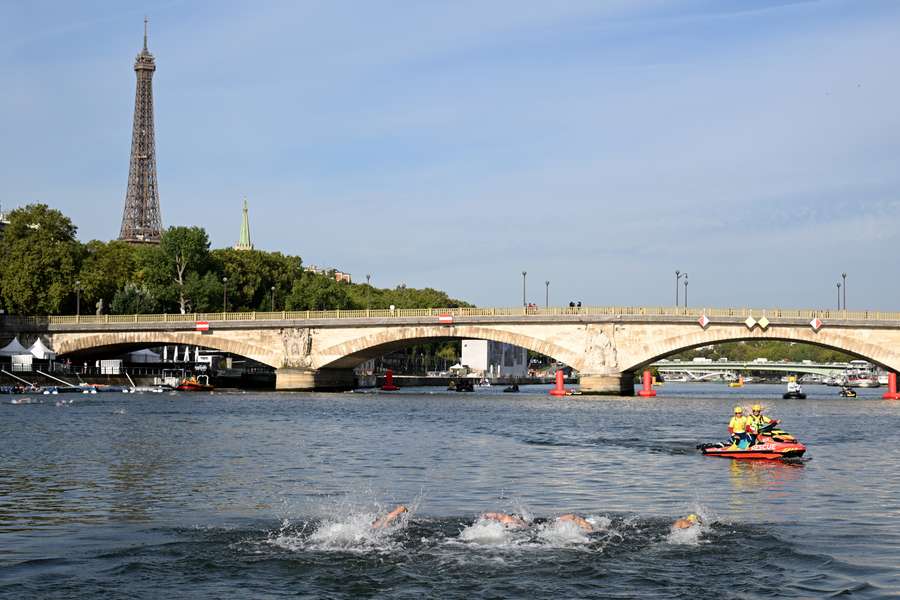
x: 267, y: 495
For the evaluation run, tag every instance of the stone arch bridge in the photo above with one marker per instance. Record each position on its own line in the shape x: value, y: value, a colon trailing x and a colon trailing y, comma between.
x: 606, y: 345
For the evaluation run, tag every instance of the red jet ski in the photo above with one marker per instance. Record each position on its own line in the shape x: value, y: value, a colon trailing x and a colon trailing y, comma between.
x: 771, y: 444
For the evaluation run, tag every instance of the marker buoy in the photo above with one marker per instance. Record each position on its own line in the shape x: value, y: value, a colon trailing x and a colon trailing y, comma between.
x: 648, y: 390
x: 892, y: 394
x: 389, y: 382
x: 560, y: 389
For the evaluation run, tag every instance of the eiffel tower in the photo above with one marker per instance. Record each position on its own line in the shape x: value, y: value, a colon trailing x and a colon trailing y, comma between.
x: 141, y: 222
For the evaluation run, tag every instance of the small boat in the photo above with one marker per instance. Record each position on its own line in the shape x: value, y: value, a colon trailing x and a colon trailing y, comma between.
x: 483, y: 383
x: 197, y: 383
x: 514, y: 388
x: 738, y: 383
x: 848, y: 392
x: 794, y: 392
x: 771, y: 444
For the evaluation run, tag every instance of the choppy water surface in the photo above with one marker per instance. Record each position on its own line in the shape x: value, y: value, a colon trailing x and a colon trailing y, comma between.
x: 267, y: 495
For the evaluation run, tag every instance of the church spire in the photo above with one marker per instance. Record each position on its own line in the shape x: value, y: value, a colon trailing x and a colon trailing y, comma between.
x: 244, y: 240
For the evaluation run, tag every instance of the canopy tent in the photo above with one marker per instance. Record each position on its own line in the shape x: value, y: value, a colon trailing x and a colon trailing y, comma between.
x: 13, y: 348
x: 40, y: 350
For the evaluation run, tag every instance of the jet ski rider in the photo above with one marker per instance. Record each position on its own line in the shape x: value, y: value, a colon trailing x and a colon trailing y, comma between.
x: 739, y: 427
x: 757, y: 421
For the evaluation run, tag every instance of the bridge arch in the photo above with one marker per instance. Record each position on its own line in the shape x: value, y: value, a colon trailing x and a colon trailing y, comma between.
x: 66, y: 344
x: 353, y: 352
x: 834, y: 339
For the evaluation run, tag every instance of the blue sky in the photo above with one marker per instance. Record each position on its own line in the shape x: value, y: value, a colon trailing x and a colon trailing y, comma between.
x: 600, y: 145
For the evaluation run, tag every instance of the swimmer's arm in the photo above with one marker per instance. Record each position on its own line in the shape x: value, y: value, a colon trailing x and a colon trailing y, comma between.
x: 389, y: 518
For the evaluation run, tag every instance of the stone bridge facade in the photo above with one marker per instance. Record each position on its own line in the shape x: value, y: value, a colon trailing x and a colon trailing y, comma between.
x: 606, y: 348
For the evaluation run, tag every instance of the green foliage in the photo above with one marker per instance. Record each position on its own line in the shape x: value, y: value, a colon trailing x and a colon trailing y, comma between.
x: 318, y: 292
x: 133, y: 299
x: 40, y: 262
x: 771, y: 349
x: 252, y: 274
x: 106, y: 269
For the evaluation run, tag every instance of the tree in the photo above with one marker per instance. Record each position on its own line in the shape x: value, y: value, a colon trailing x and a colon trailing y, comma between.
x: 167, y: 268
x: 318, y: 292
x: 133, y: 299
x: 105, y: 270
x: 41, y: 258
x: 252, y: 274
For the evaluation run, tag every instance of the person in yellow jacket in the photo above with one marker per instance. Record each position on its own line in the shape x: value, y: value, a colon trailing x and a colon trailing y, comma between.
x: 757, y: 420
x: 739, y: 427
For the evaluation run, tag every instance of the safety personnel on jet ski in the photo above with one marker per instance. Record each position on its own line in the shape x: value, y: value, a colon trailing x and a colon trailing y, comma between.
x: 739, y: 426
x: 757, y: 421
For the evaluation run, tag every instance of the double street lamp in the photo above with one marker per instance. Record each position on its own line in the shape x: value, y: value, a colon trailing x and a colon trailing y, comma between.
x: 839, y: 294
x: 524, y: 273
x: 844, y: 277
x: 368, y: 287
x: 678, y: 276
x: 547, y: 296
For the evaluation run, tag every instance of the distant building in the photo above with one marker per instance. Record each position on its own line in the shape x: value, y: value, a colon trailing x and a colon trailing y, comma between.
x: 244, y: 240
x: 487, y: 357
x: 337, y: 275
x: 4, y: 220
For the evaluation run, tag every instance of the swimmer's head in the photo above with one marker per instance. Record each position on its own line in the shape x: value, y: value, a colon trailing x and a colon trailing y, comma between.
x: 692, y: 518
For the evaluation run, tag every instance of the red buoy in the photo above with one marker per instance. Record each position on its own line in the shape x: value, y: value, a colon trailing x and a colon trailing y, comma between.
x: 560, y: 389
x: 892, y: 394
x: 389, y: 382
x: 648, y: 390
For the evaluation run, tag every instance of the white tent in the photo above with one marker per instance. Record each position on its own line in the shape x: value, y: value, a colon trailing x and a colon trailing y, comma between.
x: 39, y: 350
x: 13, y: 348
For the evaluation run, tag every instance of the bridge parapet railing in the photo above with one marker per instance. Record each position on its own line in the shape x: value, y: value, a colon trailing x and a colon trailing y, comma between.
x: 519, y: 311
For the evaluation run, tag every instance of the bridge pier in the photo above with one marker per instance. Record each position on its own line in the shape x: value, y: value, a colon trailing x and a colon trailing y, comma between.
x: 608, y: 384
x: 318, y: 380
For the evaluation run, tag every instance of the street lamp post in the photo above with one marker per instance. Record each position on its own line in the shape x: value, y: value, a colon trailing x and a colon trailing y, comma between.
x: 844, y: 277
x: 685, y: 290
x: 677, y: 279
x: 368, y: 287
x: 524, y: 273
x: 547, y: 295
x: 839, y: 294
x: 224, y: 295
x: 77, y: 298
x: 273, y: 298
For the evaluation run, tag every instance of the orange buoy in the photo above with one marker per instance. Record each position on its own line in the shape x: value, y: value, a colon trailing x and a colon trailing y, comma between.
x: 560, y: 389
x: 892, y: 394
x: 389, y: 382
x: 648, y: 390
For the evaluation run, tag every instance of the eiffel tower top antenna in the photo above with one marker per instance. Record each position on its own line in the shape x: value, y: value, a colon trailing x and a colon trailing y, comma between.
x: 145, y: 33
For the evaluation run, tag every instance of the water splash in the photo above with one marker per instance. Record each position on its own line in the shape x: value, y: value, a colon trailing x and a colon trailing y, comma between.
x: 487, y: 532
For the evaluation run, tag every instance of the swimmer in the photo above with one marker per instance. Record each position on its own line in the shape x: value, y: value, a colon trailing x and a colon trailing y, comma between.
x: 516, y: 522
x: 511, y: 521
x: 687, y: 522
x: 582, y: 523
x: 382, y: 522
